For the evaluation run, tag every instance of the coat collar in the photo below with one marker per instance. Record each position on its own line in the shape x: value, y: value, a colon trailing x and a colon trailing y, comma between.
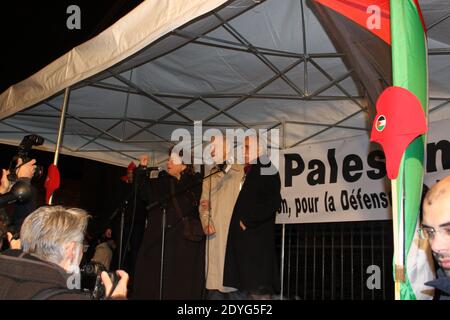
x: 442, y: 282
x: 27, y: 267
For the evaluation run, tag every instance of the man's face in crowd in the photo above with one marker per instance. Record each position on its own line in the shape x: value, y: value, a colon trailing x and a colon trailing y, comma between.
x: 436, y: 222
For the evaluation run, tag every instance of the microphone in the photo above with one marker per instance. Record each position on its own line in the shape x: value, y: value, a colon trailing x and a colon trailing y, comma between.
x: 224, y: 167
x: 121, y: 207
x: 149, y: 168
x: 162, y: 173
x: 150, y: 172
x: 153, y: 168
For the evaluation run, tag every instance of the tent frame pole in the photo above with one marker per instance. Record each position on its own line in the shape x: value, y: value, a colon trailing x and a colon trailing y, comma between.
x: 61, y: 131
x: 283, y: 226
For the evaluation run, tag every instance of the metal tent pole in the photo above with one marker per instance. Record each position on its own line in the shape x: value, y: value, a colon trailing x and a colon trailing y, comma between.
x: 283, y: 230
x: 60, y: 131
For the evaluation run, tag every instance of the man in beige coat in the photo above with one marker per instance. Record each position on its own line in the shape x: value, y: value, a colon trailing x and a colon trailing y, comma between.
x: 219, y: 195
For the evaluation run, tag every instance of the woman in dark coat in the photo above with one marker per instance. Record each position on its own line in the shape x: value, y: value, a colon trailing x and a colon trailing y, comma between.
x: 183, y: 275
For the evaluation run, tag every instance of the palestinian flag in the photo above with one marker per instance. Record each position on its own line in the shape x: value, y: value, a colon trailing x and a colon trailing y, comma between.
x: 385, y: 44
x: 410, y: 71
x: 381, y: 123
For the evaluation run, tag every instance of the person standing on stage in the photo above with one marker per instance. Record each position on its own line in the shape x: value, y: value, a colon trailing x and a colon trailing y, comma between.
x: 184, y: 255
x: 219, y: 195
x: 250, y: 261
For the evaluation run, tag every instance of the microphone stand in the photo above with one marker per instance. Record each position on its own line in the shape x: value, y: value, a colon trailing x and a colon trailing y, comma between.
x: 163, y: 245
x: 122, y: 223
x: 122, y: 208
x: 163, y: 204
x: 136, y: 187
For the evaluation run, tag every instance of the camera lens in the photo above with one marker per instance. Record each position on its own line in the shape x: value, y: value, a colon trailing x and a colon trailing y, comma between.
x: 89, y: 269
x: 38, y: 172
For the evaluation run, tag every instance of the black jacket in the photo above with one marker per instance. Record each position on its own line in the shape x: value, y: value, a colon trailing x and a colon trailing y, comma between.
x: 250, y: 260
x: 23, y: 277
x: 441, y: 284
x: 184, y: 260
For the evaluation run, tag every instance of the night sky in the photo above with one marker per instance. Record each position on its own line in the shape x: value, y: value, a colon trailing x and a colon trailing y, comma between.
x: 34, y: 33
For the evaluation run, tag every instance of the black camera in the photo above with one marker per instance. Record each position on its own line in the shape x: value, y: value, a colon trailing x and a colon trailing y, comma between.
x: 99, y: 292
x: 91, y: 280
x: 24, y: 148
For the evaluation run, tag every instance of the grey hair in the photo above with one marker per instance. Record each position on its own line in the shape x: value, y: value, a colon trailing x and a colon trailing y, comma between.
x: 47, y: 231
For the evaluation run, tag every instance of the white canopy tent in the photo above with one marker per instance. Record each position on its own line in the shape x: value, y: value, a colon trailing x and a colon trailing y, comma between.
x: 242, y: 63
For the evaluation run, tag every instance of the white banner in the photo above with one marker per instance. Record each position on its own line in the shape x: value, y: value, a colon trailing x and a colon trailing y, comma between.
x: 345, y: 180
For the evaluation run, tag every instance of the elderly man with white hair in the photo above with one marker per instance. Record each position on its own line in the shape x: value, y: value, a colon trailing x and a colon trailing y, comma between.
x: 52, y: 248
x: 250, y: 263
x: 220, y: 191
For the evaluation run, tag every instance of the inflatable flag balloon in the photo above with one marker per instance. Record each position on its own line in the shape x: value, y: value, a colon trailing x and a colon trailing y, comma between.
x: 385, y: 43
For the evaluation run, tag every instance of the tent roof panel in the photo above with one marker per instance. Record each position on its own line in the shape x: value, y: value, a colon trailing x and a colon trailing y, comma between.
x: 146, y: 71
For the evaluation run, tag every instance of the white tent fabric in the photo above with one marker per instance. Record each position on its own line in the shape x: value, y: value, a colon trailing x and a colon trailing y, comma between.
x: 243, y: 63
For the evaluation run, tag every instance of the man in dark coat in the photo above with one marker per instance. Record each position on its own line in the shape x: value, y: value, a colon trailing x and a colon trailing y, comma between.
x: 250, y: 261
x: 436, y: 228
x: 48, y: 266
x: 25, y: 277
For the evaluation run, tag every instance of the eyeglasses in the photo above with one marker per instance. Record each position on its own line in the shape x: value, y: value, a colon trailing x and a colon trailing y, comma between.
x: 427, y: 233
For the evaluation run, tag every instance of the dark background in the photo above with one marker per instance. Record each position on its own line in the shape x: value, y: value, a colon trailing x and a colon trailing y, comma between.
x: 34, y: 33
x: 91, y: 185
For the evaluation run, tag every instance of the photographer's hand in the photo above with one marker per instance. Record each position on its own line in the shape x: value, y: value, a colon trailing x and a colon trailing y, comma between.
x: 13, y: 244
x: 120, y: 292
x: 5, y: 184
x: 26, y: 170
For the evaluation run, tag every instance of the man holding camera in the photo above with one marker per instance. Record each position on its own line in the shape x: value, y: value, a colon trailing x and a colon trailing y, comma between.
x: 17, y: 181
x: 47, y: 267
x: 24, y: 172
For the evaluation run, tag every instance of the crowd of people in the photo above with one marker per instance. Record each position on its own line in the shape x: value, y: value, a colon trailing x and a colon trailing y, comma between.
x: 207, y: 237
x: 200, y: 237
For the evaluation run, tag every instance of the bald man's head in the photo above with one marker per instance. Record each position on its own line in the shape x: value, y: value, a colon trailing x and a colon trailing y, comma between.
x: 436, y: 218
x: 219, y: 148
x: 251, y: 148
x: 438, y: 192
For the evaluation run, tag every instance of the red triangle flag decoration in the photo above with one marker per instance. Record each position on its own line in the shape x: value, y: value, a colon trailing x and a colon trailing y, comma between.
x: 399, y: 120
x: 52, y: 182
x: 373, y: 15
